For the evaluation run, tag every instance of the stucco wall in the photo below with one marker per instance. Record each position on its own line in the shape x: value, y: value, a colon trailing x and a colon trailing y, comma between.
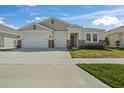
x: 100, y: 33
x: 112, y: 39
x: 30, y: 27
x: 98, y: 44
x: 74, y: 30
x: 58, y: 25
x: 82, y: 37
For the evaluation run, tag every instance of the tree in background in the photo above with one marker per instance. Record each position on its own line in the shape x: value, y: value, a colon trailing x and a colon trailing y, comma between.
x: 106, y: 41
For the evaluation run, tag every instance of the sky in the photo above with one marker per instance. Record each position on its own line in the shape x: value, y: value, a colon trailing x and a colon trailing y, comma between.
x: 94, y: 16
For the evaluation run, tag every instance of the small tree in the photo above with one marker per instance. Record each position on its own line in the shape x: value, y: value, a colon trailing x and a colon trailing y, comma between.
x: 106, y: 41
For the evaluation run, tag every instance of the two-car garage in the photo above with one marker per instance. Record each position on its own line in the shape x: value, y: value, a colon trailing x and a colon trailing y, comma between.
x: 39, y: 39
x: 35, y: 39
x: 49, y: 33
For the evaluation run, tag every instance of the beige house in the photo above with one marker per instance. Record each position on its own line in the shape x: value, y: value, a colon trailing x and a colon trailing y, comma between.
x: 8, y: 37
x: 116, y: 37
x: 55, y: 33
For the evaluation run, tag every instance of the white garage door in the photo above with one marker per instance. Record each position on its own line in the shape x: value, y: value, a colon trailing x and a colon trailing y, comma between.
x: 60, y: 39
x: 35, y: 39
x: 9, y: 42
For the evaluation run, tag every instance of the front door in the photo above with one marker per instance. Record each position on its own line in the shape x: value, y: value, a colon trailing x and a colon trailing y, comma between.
x: 73, y: 38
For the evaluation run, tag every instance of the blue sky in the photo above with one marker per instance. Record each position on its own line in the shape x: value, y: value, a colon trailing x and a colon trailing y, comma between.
x: 105, y: 17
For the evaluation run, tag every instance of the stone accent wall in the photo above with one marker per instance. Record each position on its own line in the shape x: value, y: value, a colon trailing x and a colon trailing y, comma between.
x: 81, y: 43
x: 102, y: 42
x: 68, y: 44
x: 99, y: 45
x: 51, y: 43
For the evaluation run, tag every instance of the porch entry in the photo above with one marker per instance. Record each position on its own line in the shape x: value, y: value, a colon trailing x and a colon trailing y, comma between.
x: 74, y: 40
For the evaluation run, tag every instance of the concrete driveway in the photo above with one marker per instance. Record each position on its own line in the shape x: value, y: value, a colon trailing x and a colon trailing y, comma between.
x: 43, y: 68
x: 36, y: 56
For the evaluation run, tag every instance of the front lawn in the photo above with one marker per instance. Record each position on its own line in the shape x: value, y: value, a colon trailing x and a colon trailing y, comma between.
x: 97, y: 53
x: 111, y: 74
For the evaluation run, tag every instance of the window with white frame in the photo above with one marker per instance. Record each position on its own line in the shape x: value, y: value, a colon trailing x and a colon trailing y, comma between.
x: 88, y: 37
x: 91, y: 37
x: 95, y: 38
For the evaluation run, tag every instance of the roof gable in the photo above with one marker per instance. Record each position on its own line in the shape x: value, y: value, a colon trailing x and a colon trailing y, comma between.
x: 92, y: 30
x: 116, y: 30
x: 75, y: 26
x: 3, y: 27
x: 54, y: 23
x: 37, y: 27
x: 8, y: 30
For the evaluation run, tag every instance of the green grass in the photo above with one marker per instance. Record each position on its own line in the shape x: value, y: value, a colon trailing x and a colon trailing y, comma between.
x: 97, y: 53
x: 111, y: 74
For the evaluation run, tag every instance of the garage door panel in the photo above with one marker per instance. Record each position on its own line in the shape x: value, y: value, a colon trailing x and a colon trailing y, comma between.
x: 35, y: 39
x: 60, y: 39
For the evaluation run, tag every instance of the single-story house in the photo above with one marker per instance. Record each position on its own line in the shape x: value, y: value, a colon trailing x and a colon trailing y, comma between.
x: 55, y: 33
x: 116, y: 37
x: 8, y: 37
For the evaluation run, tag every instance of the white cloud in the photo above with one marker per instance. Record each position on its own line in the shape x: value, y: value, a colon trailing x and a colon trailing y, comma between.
x: 29, y: 21
x: 107, y: 21
x: 34, y: 14
x: 12, y: 26
x: 37, y: 18
x: 113, y: 12
x: 1, y: 22
x: 1, y: 18
x: 64, y: 14
x: 9, y: 25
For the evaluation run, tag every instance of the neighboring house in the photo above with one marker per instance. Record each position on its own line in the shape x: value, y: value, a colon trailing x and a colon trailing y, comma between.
x: 116, y: 37
x: 8, y: 37
x: 54, y: 33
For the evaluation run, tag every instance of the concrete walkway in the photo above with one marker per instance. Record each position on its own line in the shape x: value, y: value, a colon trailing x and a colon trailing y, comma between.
x: 99, y: 60
x: 43, y: 68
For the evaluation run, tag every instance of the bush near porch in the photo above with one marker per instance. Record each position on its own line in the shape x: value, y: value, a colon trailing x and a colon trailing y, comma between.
x: 97, y: 53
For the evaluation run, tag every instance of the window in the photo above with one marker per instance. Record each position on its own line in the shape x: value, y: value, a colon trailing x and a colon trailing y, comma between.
x: 52, y: 21
x: 94, y: 37
x: 88, y: 37
x: 117, y: 43
x: 91, y: 37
